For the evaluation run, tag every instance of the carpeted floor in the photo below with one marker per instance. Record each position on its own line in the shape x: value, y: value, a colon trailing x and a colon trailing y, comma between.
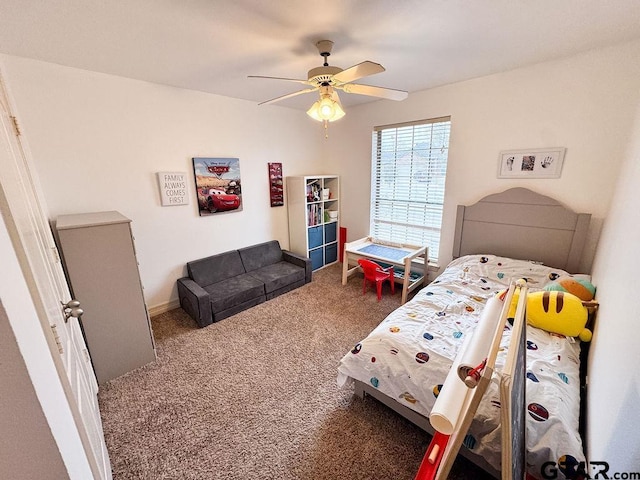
x: 254, y: 396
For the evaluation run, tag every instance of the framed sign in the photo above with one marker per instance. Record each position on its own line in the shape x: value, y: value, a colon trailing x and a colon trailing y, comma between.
x: 218, y: 185
x: 173, y: 188
x: 533, y: 163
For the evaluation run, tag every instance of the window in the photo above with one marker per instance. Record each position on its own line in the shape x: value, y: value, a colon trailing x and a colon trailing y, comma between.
x: 409, y: 167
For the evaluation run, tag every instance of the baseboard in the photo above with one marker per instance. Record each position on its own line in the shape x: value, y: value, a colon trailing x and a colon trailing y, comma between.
x: 163, y: 307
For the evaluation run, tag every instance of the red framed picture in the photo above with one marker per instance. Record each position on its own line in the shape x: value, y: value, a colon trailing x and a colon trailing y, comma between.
x: 276, y: 184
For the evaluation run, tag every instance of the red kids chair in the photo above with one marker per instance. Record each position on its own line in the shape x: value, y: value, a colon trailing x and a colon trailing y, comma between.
x: 375, y: 273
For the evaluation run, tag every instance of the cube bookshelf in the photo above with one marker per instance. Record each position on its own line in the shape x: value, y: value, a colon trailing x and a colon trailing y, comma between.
x: 314, y: 216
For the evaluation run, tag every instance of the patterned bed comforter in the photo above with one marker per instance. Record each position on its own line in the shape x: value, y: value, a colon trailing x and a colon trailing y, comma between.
x: 408, y: 355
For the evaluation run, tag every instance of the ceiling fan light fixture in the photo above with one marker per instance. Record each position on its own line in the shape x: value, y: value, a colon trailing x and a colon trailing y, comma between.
x: 326, y: 110
x: 338, y: 112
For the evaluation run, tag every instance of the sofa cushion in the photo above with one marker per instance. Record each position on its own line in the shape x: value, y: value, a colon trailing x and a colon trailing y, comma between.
x: 233, y: 291
x: 216, y: 268
x: 258, y: 256
x: 278, y: 275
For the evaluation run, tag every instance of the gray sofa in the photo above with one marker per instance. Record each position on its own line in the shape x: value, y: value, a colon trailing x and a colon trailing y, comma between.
x: 225, y: 284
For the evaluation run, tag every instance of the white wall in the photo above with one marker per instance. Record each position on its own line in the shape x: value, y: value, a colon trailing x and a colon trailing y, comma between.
x: 614, y: 379
x: 585, y: 103
x: 98, y: 140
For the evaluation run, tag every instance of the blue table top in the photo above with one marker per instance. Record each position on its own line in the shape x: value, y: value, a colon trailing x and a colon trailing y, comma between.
x: 384, y: 251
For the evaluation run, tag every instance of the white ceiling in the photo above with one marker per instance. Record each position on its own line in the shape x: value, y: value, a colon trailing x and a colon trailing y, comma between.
x: 213, y: 45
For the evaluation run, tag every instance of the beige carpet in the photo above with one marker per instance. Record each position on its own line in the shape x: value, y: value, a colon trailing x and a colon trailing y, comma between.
x: 254, y: 396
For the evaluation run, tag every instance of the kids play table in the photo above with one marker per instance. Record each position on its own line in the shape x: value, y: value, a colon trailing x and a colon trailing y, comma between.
x: 411, y: 259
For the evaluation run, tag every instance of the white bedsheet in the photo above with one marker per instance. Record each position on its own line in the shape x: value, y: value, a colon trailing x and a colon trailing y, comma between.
x: 408, y: 355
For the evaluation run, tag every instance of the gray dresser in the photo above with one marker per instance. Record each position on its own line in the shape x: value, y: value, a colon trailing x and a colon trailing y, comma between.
x: 100, y: 262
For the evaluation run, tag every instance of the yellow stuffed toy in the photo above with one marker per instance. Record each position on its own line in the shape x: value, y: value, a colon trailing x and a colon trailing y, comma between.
x: 555, y: 312
x: 558, y: 312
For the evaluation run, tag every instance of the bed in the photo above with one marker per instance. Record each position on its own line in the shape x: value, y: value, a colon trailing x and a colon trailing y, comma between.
x: 404, y: 361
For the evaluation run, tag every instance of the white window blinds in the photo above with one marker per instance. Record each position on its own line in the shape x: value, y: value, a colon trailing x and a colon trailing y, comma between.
x: 409, y: 166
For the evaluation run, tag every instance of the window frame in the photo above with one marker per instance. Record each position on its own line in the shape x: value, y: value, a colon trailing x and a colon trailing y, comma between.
x: 403, y: 205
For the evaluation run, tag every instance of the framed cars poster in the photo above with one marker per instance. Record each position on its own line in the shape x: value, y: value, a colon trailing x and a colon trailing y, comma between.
x: 218, y: 185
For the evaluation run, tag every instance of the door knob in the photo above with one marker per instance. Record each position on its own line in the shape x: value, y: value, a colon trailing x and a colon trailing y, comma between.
x: 71, y: 304
x: 71, y: 309
x: 73, y: 312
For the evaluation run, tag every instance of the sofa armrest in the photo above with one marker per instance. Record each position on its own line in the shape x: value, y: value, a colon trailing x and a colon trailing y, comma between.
x: 195, y: 301
x: 300, y: 261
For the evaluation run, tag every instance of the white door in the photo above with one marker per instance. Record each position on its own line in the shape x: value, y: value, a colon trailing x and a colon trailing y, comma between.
x: 42, y: 268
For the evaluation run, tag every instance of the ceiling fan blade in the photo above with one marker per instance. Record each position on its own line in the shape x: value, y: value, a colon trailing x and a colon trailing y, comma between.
x: 288, y: 95
x: 360, y: 70
x: 306, y: 82
x: 388, y: 93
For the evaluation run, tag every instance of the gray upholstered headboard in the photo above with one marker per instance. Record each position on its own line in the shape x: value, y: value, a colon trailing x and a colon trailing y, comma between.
x: 522, y: 224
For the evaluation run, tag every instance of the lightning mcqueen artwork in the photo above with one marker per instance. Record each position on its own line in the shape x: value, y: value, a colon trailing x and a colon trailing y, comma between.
x: 215, y: 200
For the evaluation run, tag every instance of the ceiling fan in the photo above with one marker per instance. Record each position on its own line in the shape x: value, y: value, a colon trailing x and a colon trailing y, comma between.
x: 327, y: 79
